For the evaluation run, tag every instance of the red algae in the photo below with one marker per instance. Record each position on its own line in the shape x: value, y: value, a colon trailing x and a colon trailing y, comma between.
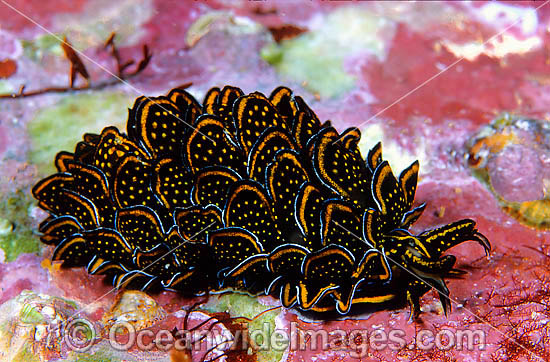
x: 40, y: 12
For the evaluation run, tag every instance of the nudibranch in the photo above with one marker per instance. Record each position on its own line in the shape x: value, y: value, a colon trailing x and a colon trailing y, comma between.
x: 246, y: 192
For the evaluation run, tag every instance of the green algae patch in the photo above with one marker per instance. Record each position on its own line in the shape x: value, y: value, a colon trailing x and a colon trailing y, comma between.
x: 30, y: 314
x: 61, y: 126
x: 16, y: 236
x: 264, y: 326
x: 6, y: 87
x: 317, y: 57
x: 223, y: 21
x: 302, y: 59
x: 25, y: 355
x: 41, y: 46
x: 101, y: 355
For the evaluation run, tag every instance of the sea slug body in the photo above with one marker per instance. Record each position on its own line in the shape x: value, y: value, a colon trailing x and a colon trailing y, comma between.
x: 249, y: 192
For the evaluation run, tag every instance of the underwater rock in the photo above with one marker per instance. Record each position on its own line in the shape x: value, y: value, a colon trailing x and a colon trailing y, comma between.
x: 136, y: 308
x: 33, y: 326
x: 511, y: 156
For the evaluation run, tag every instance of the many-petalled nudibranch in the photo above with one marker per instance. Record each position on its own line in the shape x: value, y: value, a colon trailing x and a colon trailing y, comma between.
x: 248, y: 192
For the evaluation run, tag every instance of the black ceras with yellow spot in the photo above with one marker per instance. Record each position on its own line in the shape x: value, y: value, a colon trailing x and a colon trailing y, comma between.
x: 248, y: 192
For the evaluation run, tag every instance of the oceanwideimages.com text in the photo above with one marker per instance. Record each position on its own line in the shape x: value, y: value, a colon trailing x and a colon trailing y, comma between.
x: 80, y: 335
